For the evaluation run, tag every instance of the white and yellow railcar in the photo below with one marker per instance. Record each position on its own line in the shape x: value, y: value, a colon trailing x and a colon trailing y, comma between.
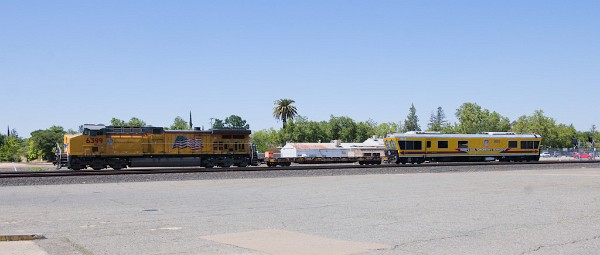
x: 418, y: 147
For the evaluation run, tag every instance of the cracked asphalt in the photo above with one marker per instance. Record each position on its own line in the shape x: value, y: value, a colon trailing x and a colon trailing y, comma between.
x: 530, y: 211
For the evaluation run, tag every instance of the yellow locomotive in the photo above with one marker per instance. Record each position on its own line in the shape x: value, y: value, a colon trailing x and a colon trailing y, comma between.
x: 102, y: 146
x: 418, y: 147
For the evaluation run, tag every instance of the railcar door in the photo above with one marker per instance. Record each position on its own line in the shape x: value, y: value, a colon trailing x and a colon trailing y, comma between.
x: 427, y: 148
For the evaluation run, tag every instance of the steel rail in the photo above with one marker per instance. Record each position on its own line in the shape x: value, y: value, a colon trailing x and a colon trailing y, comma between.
x: 146, y: 170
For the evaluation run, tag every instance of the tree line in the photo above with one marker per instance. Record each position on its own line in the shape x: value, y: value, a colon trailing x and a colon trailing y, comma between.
x: 42, y: 143
x: 471, y: 117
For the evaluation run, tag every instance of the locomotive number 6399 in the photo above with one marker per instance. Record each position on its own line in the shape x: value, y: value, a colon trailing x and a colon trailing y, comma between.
x: 94, y: 140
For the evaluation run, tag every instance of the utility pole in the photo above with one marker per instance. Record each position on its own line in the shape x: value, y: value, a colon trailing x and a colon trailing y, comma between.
x: 191, y: 127
x: 592, y: 141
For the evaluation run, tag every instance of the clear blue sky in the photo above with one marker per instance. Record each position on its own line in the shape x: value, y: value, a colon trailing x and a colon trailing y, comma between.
x: 72, y: 62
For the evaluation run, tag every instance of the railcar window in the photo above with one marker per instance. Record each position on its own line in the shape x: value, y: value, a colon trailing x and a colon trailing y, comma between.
x: 428, y: 144
x: 391, y: 145
x: 410, y: 145
x: 512, y: 144
x: 442, y: 144
x: 530, y: 144
x: 463, y: 144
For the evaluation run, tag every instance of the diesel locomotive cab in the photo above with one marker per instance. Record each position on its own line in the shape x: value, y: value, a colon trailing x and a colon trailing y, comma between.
x: 391, y: 151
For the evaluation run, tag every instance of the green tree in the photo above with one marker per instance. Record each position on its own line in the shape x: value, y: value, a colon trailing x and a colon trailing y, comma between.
x: 437, y: 121
x: 412, y: 120
x: 300, y: 129
x: 284, y: 110
x: 341, y: 128
x: 365, y: 130
x: 117, y: 122
x: 218, y: 124
x: 235, y: 121
x: 133, y: 122
x: 388, y: 128
x: 11, y: 148
x: 42, y: 143
x: 473, y: 119
x: 266, y: 140
x: 540, y: 124
x: 179, y: 124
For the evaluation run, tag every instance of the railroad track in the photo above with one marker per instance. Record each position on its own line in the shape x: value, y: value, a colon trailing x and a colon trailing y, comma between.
x: 61, y: 173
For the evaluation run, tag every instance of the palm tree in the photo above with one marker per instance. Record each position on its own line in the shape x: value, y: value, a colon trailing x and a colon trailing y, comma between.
x: 284, y: 110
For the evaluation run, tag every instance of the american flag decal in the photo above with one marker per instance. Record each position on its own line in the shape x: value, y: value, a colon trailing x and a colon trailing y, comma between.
x: 183, y: 142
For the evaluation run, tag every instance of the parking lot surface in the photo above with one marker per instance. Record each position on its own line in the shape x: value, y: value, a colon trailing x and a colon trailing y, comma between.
x: 551, y: 211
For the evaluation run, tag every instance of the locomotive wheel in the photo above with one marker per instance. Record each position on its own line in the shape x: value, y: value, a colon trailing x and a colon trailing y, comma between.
x: 209, y: 163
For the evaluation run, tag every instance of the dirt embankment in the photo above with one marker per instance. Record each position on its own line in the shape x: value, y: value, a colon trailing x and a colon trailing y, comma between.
x: 29, y: 166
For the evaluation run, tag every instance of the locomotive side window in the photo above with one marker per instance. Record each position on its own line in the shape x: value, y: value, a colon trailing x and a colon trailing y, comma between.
x: 512, y: 144
x: 442, y: 144
x: 463, y: 144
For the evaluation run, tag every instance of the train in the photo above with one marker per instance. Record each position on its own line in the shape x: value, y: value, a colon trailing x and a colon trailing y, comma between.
x: 421, y: 146
x: 117, y: 147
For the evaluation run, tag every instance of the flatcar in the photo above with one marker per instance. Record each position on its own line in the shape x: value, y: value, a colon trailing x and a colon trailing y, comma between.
x: 102, y: 146
x: 418, y: 147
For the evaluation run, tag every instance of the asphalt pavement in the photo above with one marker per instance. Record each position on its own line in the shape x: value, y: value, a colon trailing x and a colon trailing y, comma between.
x: 548, y: 211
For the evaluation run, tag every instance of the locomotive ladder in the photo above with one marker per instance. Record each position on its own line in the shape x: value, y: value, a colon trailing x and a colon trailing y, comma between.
x: 254, y: 155
x: 61, y: 159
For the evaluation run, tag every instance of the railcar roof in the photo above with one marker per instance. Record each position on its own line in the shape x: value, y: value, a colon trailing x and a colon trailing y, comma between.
x: 440, y: 135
